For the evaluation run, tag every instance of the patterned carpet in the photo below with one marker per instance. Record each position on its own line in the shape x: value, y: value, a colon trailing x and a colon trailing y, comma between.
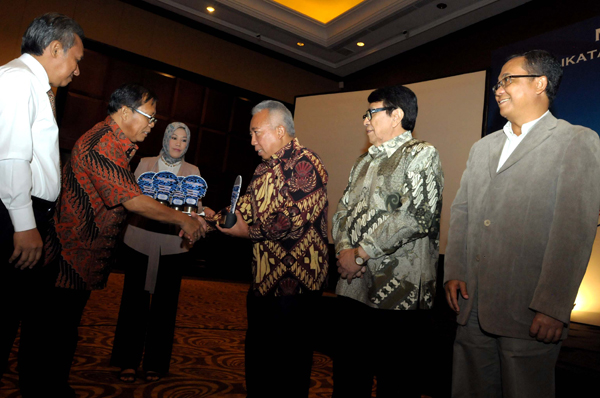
x: 208, y: 354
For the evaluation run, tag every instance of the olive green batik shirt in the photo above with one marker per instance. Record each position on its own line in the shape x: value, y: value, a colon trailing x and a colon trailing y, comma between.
x: 391, y: 207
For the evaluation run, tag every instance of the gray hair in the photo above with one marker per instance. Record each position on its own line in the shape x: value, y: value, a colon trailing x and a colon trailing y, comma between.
x: 277, y: 109
x: 47, y: 28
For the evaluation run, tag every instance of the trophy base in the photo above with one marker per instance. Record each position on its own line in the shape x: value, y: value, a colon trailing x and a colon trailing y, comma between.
x: 163, y: 202
x: 177, y: 207
x: 230, y: 220
x: 188, y: 209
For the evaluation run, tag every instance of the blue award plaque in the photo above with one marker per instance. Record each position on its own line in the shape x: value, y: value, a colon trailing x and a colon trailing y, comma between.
x: 194, y: 188
x: 164, y: 182
x: 178, y: 196
x: 146, y: 184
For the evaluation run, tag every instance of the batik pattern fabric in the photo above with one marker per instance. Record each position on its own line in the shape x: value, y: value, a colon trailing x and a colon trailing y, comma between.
x: 96, y: 181
x: 391, y: 208
x: 285, y: 206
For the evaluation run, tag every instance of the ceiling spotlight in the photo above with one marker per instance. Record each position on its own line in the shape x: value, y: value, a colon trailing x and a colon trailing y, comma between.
x: 360, y: 44
x: 210, y: 9
x: 442, y: 6
x: 300, y: 44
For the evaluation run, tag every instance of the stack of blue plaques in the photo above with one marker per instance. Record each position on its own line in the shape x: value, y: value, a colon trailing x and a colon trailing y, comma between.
x: 181, y: 193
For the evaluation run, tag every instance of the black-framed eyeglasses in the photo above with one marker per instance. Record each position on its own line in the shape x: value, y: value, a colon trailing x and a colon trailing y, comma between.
x: 507, y: 81
x: 370, y: 112
x: 151, y: 119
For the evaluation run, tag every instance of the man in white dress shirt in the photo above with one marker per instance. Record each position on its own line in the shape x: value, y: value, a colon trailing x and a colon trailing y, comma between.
x: 30, y: 177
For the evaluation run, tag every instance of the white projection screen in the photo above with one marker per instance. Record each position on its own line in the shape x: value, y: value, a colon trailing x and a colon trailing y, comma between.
x: 450, y: 117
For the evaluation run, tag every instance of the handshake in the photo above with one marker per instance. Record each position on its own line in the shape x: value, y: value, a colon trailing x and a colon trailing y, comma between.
x: 230, y: 226
x: 198, y: 226
x: 195, y: 226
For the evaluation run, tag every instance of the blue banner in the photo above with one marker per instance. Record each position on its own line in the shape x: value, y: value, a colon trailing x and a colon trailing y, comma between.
x: 578, y: 98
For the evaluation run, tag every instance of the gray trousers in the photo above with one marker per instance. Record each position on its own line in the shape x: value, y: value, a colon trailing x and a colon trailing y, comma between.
x: 486, y: 365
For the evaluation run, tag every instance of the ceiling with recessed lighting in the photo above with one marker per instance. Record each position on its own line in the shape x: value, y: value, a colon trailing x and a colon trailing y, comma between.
x: 331, y: 29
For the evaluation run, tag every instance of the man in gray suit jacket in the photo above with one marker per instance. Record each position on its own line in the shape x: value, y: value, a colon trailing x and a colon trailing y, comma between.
x: 521, y: 232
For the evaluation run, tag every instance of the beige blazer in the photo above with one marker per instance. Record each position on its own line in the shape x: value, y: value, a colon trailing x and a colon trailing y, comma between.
x: 521, y: 237
x: 150, y: 237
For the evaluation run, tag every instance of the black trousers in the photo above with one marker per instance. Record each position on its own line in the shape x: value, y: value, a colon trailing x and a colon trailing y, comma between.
x: 64, y: 309
x: 279, y: 345
x: 146, y: 324
x: 391, y: 346
x: 23, y: 299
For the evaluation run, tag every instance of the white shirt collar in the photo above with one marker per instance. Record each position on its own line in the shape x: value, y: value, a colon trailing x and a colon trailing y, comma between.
x: 37, y: 69
x: 525, y: 128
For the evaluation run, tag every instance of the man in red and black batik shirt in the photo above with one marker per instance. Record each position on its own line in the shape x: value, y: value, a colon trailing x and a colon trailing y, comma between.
x: 98, y: 189
x: 284, y: 213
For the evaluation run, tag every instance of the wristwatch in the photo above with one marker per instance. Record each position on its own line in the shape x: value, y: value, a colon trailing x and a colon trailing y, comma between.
x: 357, y: 258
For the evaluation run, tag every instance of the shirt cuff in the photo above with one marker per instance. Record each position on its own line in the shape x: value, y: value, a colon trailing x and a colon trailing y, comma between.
x: 342, y: 246
x: 22, y: 219
x: 255, y: 233
x: 373, y: 252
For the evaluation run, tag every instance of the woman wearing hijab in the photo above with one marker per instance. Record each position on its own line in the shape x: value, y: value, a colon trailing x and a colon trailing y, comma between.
x: 155, y: 257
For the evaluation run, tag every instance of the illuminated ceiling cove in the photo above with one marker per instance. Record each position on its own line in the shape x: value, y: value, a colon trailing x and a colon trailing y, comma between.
x: 329, y: 30
x: 322, y: 11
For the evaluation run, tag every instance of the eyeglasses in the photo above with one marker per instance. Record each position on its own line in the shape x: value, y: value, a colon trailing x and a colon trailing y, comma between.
x: 151, y: 119
x: 370, y: 112
x: 507, y: 81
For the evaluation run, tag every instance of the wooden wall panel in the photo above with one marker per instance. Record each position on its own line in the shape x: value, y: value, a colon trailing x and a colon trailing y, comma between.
x: 195, y: 137
x: 241, y: 156
x: 119, y: 73
x: 91, y: 81
x: 164, y: 87
x: 80, y: 114
x: 211, y: 149
x: 217, y: 110
x: 241, y: 160
x: 189, y: 102
x: 240, y: 120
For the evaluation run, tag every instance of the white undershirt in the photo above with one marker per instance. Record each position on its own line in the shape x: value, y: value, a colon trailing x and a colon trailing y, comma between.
x: 513, y: 140
x: 29, y: 153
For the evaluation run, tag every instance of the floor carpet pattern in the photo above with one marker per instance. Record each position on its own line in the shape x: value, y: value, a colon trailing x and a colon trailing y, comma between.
x: 208, y: 352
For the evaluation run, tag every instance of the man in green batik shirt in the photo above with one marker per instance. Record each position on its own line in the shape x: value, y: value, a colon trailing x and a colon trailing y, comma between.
x: 386, y: 231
